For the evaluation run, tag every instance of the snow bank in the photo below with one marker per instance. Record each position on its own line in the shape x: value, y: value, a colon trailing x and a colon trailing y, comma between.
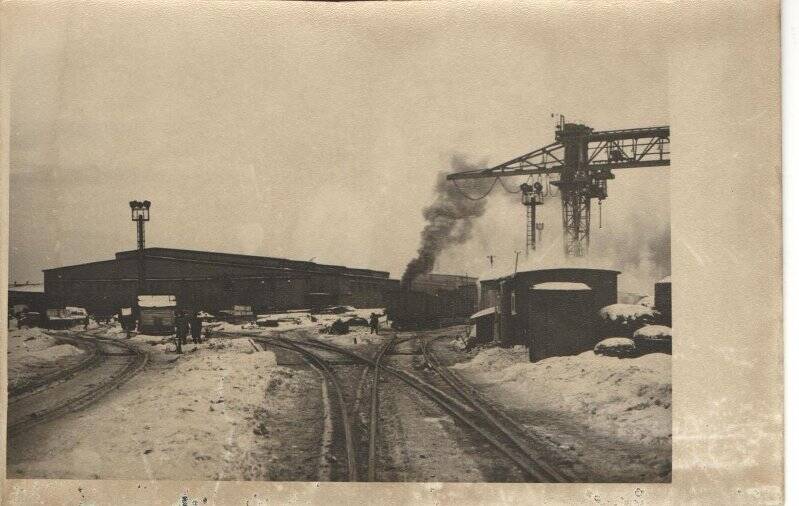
x: 629, y: 399
x: 647, y: 301
x: 627, y: 313
x: 190, y: 416
x: 32, y: 353
x: 616, y: 347
x: 356, y: 336
x: 653, y: 339
x: 653, y: 332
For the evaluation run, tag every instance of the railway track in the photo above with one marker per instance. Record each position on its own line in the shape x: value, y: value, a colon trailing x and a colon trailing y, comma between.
x: 496, y: 418
x: 492, y: 429
x: 93, y: 356
x: 504, y: 434
x: 374, y: 410
x: 330, y: 377
x: 80, y: 386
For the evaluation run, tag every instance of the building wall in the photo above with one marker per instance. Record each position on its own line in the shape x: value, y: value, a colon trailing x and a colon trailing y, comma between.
x: 559, y: 322
x: 433, y: 283
x: 489, y: 293
x: 663, y: 300
x: 211, y: 282
x: 34, y: 300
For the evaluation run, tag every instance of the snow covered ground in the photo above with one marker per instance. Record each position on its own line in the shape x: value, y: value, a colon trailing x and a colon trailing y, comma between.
x: 32, y: 353
x: 189, y: 416
x: 307, y: 321
x: 627, y: 399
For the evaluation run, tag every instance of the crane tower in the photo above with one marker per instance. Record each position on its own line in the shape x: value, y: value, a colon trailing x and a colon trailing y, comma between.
x: 584, y: 160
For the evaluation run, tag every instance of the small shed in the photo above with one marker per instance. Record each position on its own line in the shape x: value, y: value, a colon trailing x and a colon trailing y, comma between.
x: 512, y: 296
x: 157, y: 314
x: 483, y: 321
x: 560, y: 319
x: 663, y: 299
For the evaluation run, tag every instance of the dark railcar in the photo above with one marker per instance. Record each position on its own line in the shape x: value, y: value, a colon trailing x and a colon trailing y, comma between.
x: 408, y: 309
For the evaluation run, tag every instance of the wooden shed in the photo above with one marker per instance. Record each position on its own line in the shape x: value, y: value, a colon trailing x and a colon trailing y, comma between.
x: 483, y: 321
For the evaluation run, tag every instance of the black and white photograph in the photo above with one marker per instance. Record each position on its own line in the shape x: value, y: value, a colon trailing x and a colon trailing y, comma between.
x: 293, y: 242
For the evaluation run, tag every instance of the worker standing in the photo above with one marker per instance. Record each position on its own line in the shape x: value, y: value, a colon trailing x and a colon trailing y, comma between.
x: 196, y: 328
x: 374, y: 324
x: 181, y: 329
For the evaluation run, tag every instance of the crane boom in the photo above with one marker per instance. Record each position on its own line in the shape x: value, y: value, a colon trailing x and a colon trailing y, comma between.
x: 639, y: 147
x: 584, y: 160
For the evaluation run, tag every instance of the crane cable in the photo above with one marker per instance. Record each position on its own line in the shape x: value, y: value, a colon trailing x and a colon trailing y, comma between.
x: 460, y: 190
x: 506, y: 188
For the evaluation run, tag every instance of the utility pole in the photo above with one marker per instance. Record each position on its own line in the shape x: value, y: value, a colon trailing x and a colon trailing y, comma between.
x: 516, y: 264
x: 491, y: 260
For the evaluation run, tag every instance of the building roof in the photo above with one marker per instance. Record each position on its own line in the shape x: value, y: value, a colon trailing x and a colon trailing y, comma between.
x: 483, y: 312
x: 157, y: 301
x: 511, y: 275
x: 561, y: 285
x: 29, y: 288
x: 239, y: 259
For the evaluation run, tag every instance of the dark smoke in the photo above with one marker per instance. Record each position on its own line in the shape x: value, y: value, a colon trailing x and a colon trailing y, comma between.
x: 449, y: 222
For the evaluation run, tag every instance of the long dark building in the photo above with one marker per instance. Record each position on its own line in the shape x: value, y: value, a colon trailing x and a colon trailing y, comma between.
x: 213, y: 281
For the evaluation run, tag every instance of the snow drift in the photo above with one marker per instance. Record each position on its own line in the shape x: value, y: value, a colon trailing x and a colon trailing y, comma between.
x: 628, y: 399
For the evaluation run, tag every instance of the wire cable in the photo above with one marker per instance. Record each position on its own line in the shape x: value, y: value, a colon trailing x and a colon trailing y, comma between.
x: 460, y: 190
x: 506, y: 188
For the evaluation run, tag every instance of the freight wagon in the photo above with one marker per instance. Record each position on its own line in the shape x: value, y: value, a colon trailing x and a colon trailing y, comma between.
x: 407, y: 309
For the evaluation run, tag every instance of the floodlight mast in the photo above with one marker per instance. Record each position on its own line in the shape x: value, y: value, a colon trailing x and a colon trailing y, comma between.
x: 140, y: 213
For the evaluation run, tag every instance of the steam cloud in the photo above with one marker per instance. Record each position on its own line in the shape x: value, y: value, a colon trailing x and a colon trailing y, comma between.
x: 450, y: 220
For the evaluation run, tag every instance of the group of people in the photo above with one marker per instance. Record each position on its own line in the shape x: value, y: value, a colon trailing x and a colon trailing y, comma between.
x: 374, y: 323
x: 186, y: 323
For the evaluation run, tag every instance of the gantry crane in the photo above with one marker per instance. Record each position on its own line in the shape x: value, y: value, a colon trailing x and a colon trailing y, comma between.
x: 584, y: 160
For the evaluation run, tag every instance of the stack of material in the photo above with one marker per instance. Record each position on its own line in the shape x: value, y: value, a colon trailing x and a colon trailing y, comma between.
x: 338, y: 327
x: 239, y: 314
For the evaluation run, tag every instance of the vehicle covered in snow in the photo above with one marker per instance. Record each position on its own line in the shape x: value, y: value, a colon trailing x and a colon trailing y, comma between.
x: 29, y: 319
x: 157, y: 314
x: 64, y: 318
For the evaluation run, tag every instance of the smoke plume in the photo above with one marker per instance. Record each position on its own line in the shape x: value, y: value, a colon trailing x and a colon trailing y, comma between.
x: 450, y: 220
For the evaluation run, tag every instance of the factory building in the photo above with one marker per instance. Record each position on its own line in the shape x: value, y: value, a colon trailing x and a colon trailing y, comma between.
x: 212, y: 282
x: 553, y: 308
x: 26, y: 297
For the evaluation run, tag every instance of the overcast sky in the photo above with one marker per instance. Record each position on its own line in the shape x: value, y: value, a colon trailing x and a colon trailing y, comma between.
x: 312, y: 130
